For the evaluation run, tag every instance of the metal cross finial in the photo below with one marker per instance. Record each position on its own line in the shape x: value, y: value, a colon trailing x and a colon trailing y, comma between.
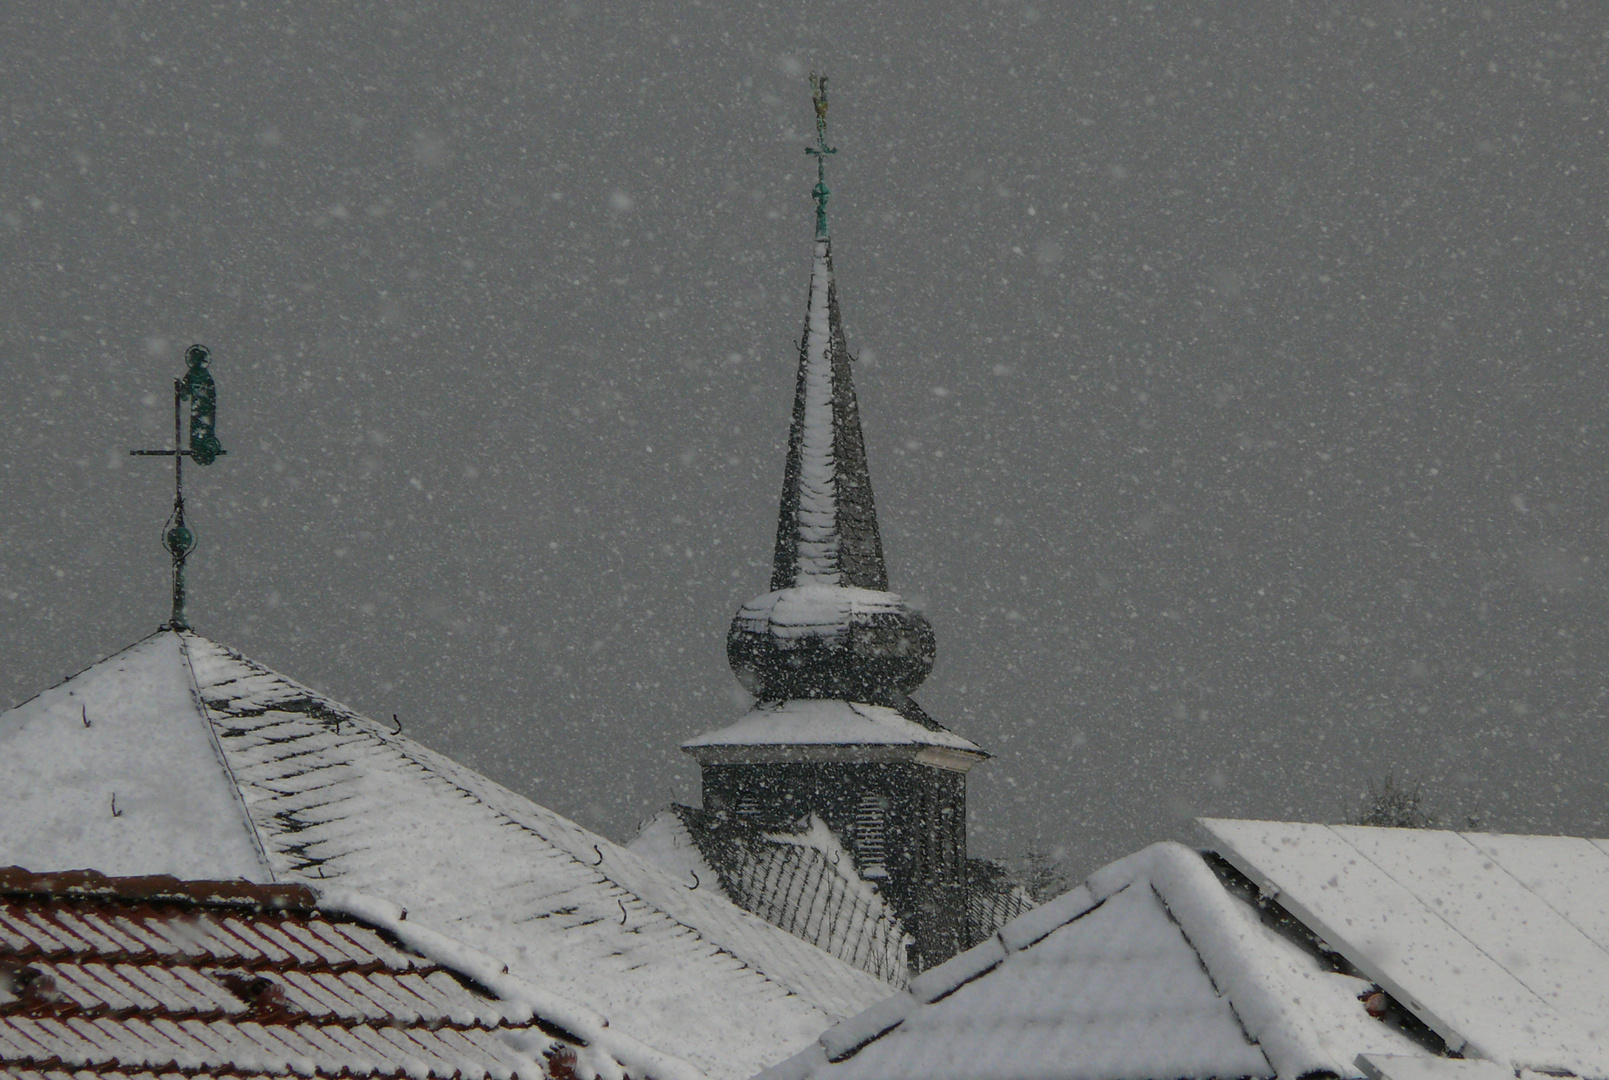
x: 198, y: 388
x: 818, y: 91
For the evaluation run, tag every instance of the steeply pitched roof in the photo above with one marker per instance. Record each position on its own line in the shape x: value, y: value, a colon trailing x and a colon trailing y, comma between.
x: 802, y: 881
x: 1151, y: 970
x: 332, y: 796
x: 828, y: 628
x: 114, y: 770
x: 121, y: 975
x: 827, y: 525
x: 1498, y: 943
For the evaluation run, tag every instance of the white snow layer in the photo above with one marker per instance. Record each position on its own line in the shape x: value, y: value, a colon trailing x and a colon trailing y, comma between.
x: 664, y: 841
x: 88, y: 774
x: 1499, y: 943
x: 828, y: 721
x: 1393, y: 1067
x: 608, y: 1054
x: 337, y: 799
x: 815, y: 610
x: 1151, y: 969
x: 818, y: 486
x: 818, y: 836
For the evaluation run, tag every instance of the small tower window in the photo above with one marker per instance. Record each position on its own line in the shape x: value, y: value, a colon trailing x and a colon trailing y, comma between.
x: 748, y: 807
x: 869, y: 844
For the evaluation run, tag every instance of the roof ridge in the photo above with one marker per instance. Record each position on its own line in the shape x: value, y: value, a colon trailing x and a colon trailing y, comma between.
x: 65, y: 679
x: 204, y: 712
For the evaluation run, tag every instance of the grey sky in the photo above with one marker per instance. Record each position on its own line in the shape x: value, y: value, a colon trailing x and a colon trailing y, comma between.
x: 1231, y: 378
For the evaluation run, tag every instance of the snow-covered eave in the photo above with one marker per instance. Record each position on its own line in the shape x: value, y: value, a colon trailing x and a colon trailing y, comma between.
x: 602, y: 1053
x: 714, y: 752
x: 831, y: 729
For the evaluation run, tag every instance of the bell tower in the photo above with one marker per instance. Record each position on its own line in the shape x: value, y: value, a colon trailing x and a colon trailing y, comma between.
x: 832, y: 656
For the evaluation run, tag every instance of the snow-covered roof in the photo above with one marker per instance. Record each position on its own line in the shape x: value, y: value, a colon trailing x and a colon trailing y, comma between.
x: 1404, y: 1067
x: 803, y: 881
x: 94, y: 760
x: 824, y: 722
x: 1150, y: 970
x: 1499, y: 943
x: 827, y: 530
x: 118, y: 976
x: 332, y: 796
x: 816, y: 610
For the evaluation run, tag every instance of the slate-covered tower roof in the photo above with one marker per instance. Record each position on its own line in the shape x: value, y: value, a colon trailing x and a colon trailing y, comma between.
x: 829, y: 627
x: 832, y: 656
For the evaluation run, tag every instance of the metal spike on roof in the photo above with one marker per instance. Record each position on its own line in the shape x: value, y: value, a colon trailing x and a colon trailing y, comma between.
x: 818, y: 93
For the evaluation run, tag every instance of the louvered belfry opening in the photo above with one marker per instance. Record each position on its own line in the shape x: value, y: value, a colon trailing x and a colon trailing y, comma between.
x: 869, y: 821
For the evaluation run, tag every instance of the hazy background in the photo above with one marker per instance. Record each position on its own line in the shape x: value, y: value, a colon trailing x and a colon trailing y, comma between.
x: 1231, y: 374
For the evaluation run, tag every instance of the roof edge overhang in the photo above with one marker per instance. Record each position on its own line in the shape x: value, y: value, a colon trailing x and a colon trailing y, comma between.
x: 939, y: 757
x: 154, y: 888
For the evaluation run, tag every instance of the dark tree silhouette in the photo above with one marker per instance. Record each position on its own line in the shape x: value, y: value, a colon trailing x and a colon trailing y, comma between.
x: 1395, y: 806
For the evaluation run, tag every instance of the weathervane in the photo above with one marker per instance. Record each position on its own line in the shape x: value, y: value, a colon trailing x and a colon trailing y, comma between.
x: 198, y: 388
x: 818, y: 92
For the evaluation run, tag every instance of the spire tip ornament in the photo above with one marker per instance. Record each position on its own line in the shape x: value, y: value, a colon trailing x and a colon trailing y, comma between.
x: 818, y: 94
x: 198, y: 388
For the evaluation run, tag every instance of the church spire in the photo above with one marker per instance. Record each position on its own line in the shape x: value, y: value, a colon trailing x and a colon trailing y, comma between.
x: 827, y: 527
x: 829, y: 627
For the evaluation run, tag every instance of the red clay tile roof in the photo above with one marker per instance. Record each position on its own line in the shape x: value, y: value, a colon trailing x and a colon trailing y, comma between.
x: 145, y: 976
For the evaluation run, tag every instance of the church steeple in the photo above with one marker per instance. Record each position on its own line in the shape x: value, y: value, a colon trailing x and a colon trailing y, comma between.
x: 833, y: 656
x: 827, y: 529
x: 828, y: 628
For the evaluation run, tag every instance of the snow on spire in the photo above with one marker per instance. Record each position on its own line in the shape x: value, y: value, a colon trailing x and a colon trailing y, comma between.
x: 827, y: 528
x: 829, y: 627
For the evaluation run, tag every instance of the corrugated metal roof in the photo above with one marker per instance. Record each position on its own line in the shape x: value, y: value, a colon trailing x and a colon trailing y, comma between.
x: 133, y: 977
x: 1499, y: 943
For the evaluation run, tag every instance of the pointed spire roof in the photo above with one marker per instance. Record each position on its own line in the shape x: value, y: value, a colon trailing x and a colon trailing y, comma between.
x: 827, y: 528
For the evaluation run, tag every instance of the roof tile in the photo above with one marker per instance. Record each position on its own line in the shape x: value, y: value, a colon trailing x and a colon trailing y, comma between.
x: 183, y: 983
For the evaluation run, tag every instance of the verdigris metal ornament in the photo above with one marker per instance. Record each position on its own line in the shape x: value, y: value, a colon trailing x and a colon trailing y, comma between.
x: 197, y: 387
x: 203, y: 394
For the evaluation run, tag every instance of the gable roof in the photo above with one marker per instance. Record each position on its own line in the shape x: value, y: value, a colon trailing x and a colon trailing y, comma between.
x: 331, y: 796
x: 122, y: 975
x: 1150, y: 970
x: 1499, y: 943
